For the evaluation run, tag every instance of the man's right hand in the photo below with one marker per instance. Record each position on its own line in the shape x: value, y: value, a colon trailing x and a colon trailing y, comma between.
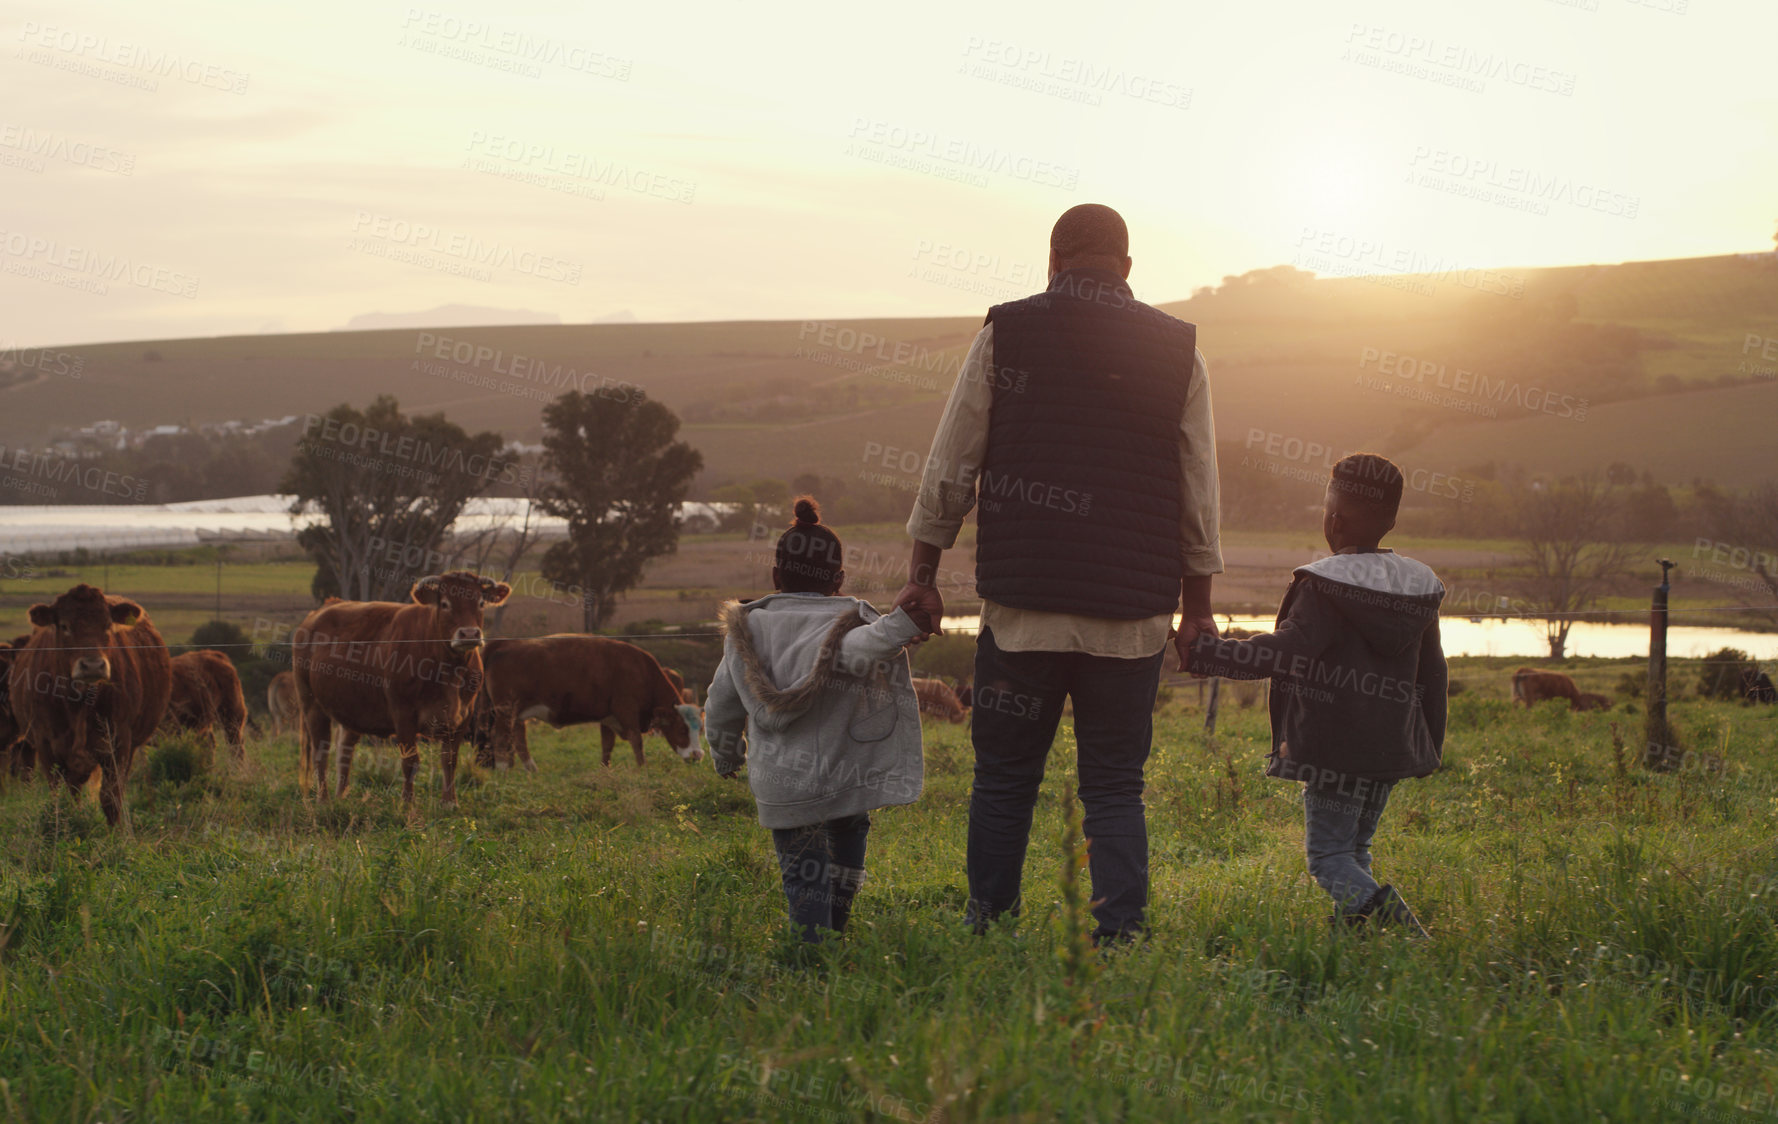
x: 924, y: 605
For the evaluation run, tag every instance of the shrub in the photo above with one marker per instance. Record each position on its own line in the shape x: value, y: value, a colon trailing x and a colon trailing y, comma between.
x: 1720, y: 677
x: 177, y: 760
x: 952, y: 656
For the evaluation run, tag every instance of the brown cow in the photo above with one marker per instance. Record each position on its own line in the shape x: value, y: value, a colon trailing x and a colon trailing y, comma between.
x: 387, y: 669
x: 678, y: 681
x: 568, y: 680
x: 90, y: 688
x: 13, y: 761
x: 1531, y: 687
x: 17, y: 758
x: 281, y: 702
x: 1589, y: 701
x: 938, y: 700
x: 965, y: 695
x: 206, y: 691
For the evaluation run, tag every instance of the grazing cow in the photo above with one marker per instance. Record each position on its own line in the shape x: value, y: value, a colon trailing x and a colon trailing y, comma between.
x: 90, y: 688
x: 568, y: 680
x: 206, y: 691
x: 1532, y: 687
x: 965, y: 695
x: 388, y: 669
x: 938, y: 700
x: 1589, y: 701
x: 686, y: 693
x: 282, y: 704
x: 1756, y: 686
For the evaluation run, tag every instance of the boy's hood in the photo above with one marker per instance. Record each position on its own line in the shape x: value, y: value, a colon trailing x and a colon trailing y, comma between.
x: 784, y: 642
x: 1389, y: 599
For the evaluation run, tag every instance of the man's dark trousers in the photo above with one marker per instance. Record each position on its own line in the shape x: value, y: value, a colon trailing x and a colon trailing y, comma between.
x: 1017, y: 706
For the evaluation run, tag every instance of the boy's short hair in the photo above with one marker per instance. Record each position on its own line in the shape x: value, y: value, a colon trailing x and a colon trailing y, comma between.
x: 1370, y: 479
x: 809, y: 555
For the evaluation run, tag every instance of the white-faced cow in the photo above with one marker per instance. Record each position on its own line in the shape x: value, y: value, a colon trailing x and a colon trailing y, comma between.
x: 392, y: 670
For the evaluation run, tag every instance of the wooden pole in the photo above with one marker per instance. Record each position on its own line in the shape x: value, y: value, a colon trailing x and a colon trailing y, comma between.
x: 1210, y: 711
x: 1658, y: 748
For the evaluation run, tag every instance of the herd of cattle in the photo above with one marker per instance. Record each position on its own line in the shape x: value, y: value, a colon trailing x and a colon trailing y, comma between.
x: 94, y: 682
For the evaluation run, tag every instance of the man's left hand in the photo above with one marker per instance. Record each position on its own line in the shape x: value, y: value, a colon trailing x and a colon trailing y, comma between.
x: 1190, y: 628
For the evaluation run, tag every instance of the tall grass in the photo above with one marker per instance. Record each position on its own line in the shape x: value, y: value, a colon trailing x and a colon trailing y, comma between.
x: 608, y: 944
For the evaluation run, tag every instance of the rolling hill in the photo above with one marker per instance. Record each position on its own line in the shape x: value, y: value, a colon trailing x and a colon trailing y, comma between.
x: 1645, y: 362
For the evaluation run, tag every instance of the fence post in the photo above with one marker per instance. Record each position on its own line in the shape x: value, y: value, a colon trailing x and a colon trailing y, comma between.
x: 1657, y: 743
x: 1210, y: 711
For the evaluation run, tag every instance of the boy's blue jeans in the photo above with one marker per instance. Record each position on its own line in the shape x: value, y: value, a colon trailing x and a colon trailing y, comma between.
x: 1017, y: 706
x: 1339, y: 820
x: 822, y: 867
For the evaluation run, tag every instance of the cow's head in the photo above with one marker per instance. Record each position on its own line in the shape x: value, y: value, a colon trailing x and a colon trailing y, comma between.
x: 675, y: 723
x: 81, y: 621
x: 457, y: 599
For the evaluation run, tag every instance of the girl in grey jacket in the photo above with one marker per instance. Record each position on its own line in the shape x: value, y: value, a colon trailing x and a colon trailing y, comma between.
x: 814, y: 695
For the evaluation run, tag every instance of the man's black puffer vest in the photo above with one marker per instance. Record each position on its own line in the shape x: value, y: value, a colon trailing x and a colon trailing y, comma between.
x: 1079, y: 499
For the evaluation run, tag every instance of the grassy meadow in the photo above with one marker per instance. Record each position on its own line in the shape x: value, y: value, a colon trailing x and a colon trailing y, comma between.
x: 607, y: 944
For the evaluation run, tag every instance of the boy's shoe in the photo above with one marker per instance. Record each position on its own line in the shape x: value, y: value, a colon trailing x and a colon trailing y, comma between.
x: 1389, y: 909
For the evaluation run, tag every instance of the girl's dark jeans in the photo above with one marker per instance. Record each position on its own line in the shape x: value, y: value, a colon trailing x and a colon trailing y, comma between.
x: 823, y: 867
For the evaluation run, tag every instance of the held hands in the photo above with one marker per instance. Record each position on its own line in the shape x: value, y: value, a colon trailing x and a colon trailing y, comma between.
x: 1190, y: 629
x: 924, y: 606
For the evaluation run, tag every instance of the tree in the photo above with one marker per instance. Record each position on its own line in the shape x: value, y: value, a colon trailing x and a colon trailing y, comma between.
x: 1569, y: 551
x: 617, y: 475
x: 388, y: 488
x: 1752, y: 520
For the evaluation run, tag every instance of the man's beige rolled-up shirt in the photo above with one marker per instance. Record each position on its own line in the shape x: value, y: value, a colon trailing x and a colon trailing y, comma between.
x: 947, y: 494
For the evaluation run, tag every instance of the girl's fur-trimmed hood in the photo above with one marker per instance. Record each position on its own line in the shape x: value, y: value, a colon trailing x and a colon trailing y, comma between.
x: 788, y: 701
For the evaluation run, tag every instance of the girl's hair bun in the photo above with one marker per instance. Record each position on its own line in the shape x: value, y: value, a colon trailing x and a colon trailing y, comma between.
x: 807, y: 510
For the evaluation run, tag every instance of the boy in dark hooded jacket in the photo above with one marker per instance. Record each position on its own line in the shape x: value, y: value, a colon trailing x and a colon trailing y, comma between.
x: 1358, y: 684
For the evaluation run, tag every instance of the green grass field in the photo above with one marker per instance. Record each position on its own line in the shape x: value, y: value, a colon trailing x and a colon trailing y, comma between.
x: 598, y: 944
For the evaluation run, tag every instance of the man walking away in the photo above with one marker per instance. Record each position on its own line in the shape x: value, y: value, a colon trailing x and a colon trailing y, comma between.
x: 1081, y: 422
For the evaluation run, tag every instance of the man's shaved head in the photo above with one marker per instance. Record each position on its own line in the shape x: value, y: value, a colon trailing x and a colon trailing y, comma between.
x: 1091, y: 235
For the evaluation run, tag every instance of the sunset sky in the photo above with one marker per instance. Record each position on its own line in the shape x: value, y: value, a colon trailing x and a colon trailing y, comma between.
x: 184, y: 168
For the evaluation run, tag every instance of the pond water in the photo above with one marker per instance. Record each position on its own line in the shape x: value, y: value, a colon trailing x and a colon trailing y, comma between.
x: 1467, y: 636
